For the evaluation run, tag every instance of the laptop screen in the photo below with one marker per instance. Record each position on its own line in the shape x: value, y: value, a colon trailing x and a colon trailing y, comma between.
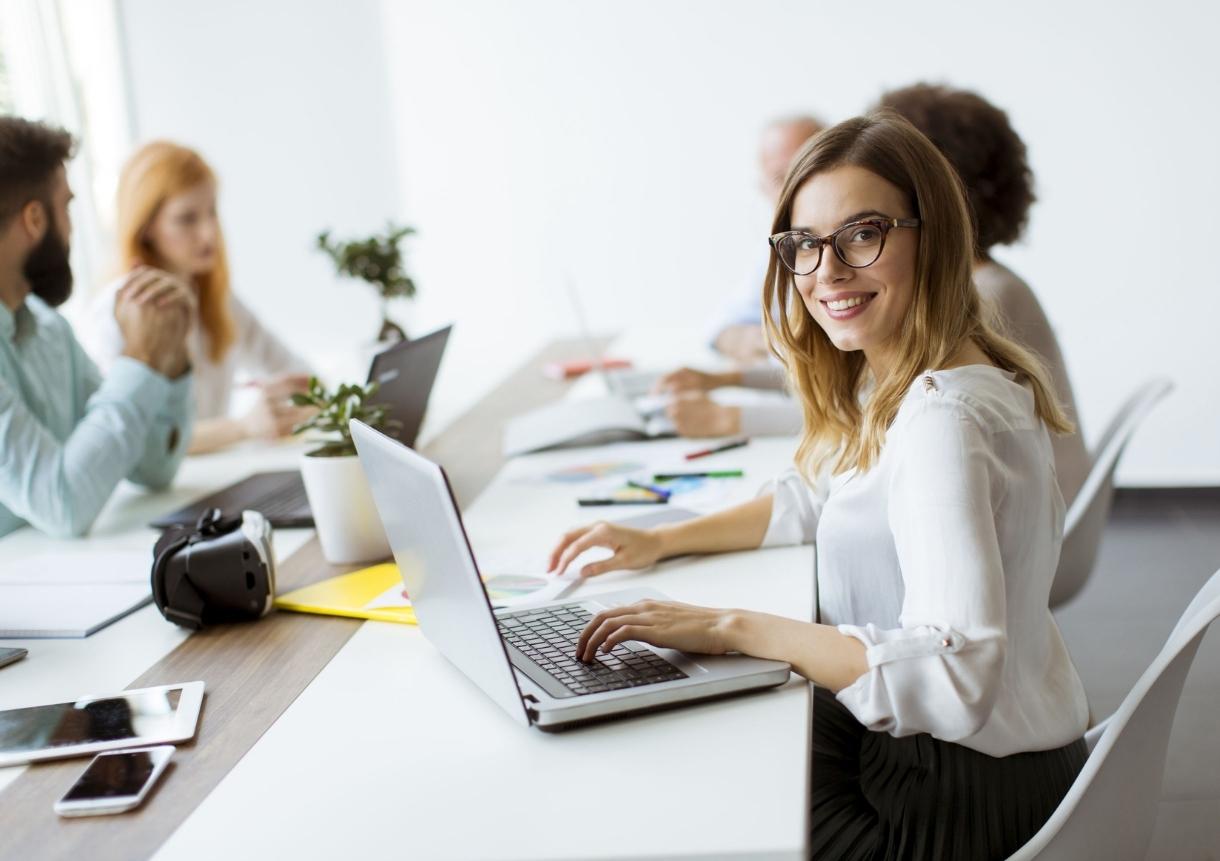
x: 425, y: 530
x: 406, y: 373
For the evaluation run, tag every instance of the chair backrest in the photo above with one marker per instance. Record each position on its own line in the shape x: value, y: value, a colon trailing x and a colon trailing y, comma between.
x: 1086, y: 519
x: 1110, y: 811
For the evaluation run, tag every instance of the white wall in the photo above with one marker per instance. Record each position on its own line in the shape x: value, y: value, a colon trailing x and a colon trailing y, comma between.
x: 613, y: 144
x: 288, y: 101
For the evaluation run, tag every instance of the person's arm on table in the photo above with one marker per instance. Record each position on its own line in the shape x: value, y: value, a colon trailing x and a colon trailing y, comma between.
x: 213, y: 434
x: 279, y: 371
x: 695, y: 415
x: 742, y: 527
x: 786, y: 516
x: 271, y: 417
x: 820, y: 653
x: 165, y: 438
x: 785, y: 512
x: 694, y: 380
x: 59, y: 487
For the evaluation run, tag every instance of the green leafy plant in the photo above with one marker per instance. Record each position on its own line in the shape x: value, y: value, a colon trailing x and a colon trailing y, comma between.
x: 376, y: 259
x: 334, y: 411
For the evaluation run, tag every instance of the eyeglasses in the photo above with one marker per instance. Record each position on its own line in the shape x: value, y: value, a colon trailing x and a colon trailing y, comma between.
x: 858, y: 244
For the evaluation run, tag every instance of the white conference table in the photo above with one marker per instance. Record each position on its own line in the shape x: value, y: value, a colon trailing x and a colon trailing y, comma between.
x: 390, y: 751
x: 62, y: 670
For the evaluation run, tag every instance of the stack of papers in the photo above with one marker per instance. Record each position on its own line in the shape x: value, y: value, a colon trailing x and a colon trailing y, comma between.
x: 71, y: 594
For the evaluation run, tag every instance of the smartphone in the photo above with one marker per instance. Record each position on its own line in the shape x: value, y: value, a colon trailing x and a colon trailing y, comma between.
x: 115, y: 781
x: 8, y: 656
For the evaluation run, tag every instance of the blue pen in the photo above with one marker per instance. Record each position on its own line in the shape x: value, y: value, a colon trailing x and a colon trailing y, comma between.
x: 651, y: 488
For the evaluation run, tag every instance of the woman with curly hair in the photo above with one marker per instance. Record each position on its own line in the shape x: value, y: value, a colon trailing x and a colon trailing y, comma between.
x: 990, y: 157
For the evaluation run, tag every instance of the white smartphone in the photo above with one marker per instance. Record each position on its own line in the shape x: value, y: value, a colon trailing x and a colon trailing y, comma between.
x: 115, y: 781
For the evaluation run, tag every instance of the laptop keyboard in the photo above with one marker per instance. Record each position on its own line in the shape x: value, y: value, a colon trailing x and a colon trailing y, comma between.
x: 286, y: 502
x: 547, y: 637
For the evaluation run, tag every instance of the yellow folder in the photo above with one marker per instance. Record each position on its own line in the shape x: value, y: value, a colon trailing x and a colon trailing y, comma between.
x: 370, y: 593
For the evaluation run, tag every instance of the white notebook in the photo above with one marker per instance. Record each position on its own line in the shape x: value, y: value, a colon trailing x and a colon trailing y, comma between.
x: 71, y: 594
x: 595, y: 421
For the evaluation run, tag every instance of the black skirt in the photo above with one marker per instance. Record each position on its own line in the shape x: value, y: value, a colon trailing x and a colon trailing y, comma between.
x: 878, y: 797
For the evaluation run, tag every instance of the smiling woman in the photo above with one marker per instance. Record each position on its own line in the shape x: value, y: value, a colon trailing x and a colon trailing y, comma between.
x: 948, y: 712
x: 912, y: 307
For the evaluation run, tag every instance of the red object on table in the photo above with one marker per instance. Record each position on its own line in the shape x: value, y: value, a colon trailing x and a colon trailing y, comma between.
x: 577, y: 367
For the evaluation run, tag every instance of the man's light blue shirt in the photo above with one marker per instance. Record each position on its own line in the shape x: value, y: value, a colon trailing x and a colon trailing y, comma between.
x: 68, y: 436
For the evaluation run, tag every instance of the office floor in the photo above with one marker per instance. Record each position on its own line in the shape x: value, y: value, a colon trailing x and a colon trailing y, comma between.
x: 1160, y: 546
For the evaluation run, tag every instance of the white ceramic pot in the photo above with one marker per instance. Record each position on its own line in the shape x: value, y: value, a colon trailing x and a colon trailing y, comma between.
x: 343, y: 510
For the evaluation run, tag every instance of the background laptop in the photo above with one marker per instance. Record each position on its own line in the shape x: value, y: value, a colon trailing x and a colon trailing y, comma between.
x: 406, y: 373
x: 523, y: 658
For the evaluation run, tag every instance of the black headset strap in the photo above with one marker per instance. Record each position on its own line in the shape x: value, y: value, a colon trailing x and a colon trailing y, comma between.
x: 179, y: 602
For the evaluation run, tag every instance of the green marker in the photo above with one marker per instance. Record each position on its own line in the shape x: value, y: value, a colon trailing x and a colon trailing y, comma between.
x: 720, y: 473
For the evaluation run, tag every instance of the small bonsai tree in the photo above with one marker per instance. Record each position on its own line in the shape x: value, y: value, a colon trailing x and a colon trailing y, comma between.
x: 334, y: 411
x: 377, y: 260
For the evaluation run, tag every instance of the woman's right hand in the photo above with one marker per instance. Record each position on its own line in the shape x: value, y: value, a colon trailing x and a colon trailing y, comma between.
x: 273, y: 415
x: 633, y: 548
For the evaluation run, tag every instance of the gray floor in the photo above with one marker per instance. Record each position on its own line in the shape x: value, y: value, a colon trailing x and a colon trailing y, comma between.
x: 1160, y: 546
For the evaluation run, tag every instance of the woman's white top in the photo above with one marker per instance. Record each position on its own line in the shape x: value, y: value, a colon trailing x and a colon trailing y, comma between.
x: 255, y: 353
x: 1016, y: 312
x: 940, y: 559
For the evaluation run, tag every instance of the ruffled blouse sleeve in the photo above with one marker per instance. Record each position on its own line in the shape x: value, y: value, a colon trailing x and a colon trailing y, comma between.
x: 940, y: 672
x: 795, y: 509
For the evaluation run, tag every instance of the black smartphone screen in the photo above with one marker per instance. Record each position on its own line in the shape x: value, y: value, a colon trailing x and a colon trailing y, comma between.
x: 113, y: 775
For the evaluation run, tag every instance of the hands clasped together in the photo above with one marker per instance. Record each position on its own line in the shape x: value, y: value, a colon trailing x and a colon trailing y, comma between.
x: 154, y: 311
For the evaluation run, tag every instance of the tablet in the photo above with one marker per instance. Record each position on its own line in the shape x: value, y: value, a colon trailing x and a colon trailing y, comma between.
x: 136, y: 718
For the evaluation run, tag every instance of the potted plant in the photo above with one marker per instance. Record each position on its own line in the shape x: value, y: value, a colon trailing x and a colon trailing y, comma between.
x: 345, y: 517
x: 376, y: 259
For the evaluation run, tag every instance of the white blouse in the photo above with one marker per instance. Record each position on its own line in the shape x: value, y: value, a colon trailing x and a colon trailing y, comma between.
x: 940, y: 559
x: 255, y: 352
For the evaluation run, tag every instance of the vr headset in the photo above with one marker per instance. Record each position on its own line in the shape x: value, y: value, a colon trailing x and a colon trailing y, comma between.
x: 220, y: 570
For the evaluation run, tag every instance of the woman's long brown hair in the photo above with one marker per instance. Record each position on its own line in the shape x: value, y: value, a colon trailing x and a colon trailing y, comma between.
x: 945, y: 311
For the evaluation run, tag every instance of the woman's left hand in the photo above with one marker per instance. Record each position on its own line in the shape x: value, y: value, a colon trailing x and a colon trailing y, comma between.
x: 665, y: 624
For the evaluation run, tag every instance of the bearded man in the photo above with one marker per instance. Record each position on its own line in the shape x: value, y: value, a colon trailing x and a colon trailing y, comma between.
x: 68, y: 436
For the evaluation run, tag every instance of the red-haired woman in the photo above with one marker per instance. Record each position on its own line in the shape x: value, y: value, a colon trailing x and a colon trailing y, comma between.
x: 167, y: 219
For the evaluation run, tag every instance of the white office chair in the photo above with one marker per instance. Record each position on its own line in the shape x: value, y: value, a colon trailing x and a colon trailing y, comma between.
x: 1110, y: 811
x: 1086, y: 519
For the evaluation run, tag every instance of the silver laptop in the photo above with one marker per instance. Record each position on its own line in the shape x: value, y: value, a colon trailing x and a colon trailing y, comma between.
x: 524, y: 658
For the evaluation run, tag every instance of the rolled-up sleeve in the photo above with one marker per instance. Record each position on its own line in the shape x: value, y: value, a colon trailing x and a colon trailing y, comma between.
x: 59, y: 487
x: 940, y: 671
x: 166, y: 442
x: 795, y: 509
x: 169, y: 406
